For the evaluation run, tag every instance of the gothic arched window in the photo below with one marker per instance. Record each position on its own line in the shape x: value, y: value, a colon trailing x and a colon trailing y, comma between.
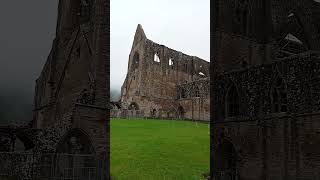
x: 171, y: 63
x: 241, y: 16
x: 183, y: 93
x: 156, y: 58
x: 85, y: 11
x: 196, y: 91
x: 136, y: 60
x: 279, y: 96
x: 233, y: 103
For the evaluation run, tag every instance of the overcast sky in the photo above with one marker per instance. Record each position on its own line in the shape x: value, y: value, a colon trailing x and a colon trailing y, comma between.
x: 26, y: 34
x: 183, y: 25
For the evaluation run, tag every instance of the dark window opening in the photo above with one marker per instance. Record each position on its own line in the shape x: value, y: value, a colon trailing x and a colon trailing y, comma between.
x: 78, y: 52
x: 279, y: 96
x: 136, y: 60
x: 133, y: 106
x: 181, y: 112
x: 85, y: 11
x: 241, y: 16
x: 154, y: 112
x: 233, y: 103
x: 196, y: 92
x: 183, y: 93
x: 186, y: 67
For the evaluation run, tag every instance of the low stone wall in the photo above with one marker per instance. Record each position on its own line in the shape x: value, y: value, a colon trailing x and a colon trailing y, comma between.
x: 126, y: 113
x: 16, y: 165
x: 28, y: 166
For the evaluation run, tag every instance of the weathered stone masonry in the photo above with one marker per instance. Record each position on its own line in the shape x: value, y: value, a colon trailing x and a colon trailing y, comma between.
x: 265, y: 90
x: 165, y: 83
x: 71, y: 94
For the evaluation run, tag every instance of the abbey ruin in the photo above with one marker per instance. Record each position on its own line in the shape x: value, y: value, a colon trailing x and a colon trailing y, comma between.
x: 163, y: 83
x: 265, y: 90
x: 68, y: 137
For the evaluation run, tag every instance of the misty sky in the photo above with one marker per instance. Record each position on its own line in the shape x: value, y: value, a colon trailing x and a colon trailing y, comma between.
x: 183, y: 25
x: 26, y: 34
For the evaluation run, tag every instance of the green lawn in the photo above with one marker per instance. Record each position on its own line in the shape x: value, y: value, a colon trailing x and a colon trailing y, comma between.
x: 159, y: 150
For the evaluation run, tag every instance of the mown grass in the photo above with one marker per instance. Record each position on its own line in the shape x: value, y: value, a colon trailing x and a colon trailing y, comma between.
x: 158, y: 150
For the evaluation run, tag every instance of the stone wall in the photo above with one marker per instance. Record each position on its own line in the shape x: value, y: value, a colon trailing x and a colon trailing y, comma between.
x: 154, y: 74
x: 264, y: 89
x: 270, y: 145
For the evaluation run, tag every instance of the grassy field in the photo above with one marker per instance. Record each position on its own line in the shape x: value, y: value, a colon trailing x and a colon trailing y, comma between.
x: 159, y: 150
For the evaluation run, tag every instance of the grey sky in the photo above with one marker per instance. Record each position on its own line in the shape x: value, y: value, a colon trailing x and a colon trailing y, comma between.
x: 183, y: 25
x: 26, y: 34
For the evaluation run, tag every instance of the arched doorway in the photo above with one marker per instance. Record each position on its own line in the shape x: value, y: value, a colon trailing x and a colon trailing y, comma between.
x: 181, y: 112
x: 225, y: 161
x: 153, y: 113
x: 133, y: 106
x: 75, y: 156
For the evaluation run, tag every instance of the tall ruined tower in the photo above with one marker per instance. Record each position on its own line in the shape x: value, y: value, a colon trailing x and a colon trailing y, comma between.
x: 154, y: 73
x: 72, y: 91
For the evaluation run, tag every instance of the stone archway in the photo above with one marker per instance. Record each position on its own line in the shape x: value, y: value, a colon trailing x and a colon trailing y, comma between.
x: 181, y: 112
x: 133, y: 106
x: 75, y: 154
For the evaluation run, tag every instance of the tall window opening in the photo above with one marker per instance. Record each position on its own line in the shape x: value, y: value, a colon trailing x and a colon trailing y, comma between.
x: 279, y: 96
x: 156, y: 58
x: 196, y: 91
x: 85, y: 11
x: 171, y: 63
x: 135, y: 61
x: 233, y: 103
x: 241, y: 16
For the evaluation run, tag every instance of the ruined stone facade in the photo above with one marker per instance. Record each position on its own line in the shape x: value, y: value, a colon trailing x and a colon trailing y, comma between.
x: 265, y: 90
x: 71, y: 94
x: 164, y: 83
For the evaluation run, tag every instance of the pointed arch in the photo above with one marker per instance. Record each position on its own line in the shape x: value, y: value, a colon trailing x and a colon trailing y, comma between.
x: 135, y: 61
x: 75, y: 141
x: 85, y: 11
x: 196, y: 91
x: 133, y: 106
x: 182, y: 93
x: 241, y: 16
x: 156, y: 58
x: 181, y: 112
x: 232, y: 102
x: 171, y: 62
x: 278, y: 95
x: 75, y: 149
